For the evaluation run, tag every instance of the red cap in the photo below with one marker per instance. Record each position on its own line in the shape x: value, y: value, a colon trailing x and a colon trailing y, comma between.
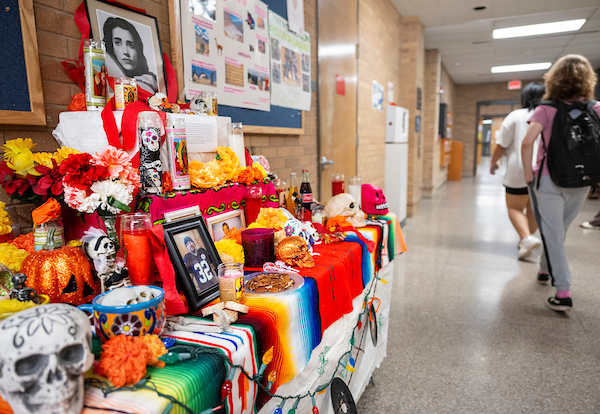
x: 304, y: 170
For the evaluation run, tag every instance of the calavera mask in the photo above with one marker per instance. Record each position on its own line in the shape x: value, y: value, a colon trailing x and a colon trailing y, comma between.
x: 373, y: 200
x: 345, y: 205
x: 45, y: 351
x: 151, y: 139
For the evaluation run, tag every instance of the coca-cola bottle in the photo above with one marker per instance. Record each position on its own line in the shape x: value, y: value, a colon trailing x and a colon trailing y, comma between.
x: 306, y: 195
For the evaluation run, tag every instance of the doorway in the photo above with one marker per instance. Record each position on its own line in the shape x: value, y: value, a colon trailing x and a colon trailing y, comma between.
x: 338, y: 84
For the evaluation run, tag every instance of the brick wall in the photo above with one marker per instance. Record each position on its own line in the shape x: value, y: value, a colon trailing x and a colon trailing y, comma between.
x: 382, y: 47
x: 412, y: 65
x: 431, y: 104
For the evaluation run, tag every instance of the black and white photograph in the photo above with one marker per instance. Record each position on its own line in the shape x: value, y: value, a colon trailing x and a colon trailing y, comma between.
x: 305, y: 62
x: 219, y: 226
x: 305, y: 83
x: 195, y: 259
x: 204, y: 8
x: 275, y: 49
x: 276, y: 72
x: 132, y: 44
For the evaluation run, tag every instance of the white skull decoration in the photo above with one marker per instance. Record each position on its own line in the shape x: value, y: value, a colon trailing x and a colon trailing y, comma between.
x: 151, y: 140
x: 345, y: 205
x: 45, y: 351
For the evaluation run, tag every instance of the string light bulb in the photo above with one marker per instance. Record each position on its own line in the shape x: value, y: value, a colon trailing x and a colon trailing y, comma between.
x: 293, y: 409
x: 279, y: 409
x: 266, y: 360
x: 271, y: 378
x: 315, y: 409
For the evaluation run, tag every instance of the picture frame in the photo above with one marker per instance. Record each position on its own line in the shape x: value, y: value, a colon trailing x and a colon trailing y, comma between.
x: 193, y: 211
x: 216, y: 224
x: 195, y: 260
x: 126, y: 33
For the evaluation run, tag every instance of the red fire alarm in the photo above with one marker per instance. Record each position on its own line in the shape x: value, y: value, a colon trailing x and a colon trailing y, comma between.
x: 341, y: 84
x: 514, y: 85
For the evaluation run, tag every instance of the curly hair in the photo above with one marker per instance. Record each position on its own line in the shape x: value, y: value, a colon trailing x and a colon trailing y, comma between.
x: 570, y: 79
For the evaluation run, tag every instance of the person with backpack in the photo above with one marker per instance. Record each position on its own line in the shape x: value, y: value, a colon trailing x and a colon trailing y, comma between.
x: 512, y: 132
x: 568, y: 162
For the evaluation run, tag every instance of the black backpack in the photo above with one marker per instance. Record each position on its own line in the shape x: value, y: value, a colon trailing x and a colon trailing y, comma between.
x: 573, y: 155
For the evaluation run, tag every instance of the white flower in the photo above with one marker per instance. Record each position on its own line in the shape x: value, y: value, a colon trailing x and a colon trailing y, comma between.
x: 121, y: 190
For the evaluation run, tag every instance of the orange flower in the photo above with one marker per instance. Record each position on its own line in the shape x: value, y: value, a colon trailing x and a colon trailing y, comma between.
x: 258, y: 175
x: 235, y: 235
x: 335, y: 222
x: 123, y: 360
x: 246, y: 176
x: 156, y: 348
x: 24, y: 242
x: 166, y: 182
x: 77, y: 103
x: 46, y: 212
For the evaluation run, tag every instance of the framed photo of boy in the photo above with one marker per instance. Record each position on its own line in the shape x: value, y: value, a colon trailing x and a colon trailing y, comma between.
x: 195, y: 260
x: 132, y: 41
x: 219, y: 226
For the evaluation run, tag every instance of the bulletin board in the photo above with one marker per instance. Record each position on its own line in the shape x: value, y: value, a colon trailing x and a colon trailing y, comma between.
x: 278, y: 120
x: 22, y: 100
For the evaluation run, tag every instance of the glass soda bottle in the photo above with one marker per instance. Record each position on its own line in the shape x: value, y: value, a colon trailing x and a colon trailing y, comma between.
x: 306, y: 195
x: 290, y: 205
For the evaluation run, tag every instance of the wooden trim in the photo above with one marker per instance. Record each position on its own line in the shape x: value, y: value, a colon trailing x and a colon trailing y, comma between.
x: 177, y: 62
x: 37, y: 114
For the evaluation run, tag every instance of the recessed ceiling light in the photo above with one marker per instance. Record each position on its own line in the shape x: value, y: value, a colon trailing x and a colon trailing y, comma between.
x: 538, y: 29
x: 521, y: 68
x: 486, y: 121
x: 478, y: 8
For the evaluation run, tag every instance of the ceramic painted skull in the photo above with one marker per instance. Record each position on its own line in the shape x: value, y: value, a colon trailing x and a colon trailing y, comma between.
x: 45, y: 351
x: 151, y: 139
x: 373, y: 200
x: 294, y: 252
x: 345, y: 205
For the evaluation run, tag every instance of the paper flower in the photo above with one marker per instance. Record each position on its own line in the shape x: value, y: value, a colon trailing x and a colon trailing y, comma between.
x: 43, y: 158
x: 235, y: 235
x: 123, y: 360
x: 259, y: 171
x: 50, y: 180
x: 5, y: 221
x: 12, y: 257
x: 270, y: 218
x: 80, y: 173
x: 74, y: 243
x: 24, y: 242
x: 62, y: 153
x: 246, y: 176
x: 117, y: 161
x: 230, y: 250
x: 336, y: 222
x: 48, y: 211
x: 16, y: 147
x: 18, y: 156
x: 78, y: 103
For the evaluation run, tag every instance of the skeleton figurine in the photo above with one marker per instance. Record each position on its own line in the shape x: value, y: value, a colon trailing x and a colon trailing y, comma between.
x: 22, y: 292
x: 101, y: 250
x: 45, y: 351
x: 345, y: 205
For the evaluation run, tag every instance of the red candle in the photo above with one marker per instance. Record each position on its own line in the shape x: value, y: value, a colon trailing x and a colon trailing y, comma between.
x: 252, y: 208
x: 337, y: 187
x: 139, y: 256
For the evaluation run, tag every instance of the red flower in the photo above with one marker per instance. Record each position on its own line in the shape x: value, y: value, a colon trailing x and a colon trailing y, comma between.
x: 7, y: 177
x: 51, y: 179
x: 79, y: 172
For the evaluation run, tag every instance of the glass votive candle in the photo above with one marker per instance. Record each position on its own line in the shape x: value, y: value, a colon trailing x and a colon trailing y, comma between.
x: 354, y: 187
x: 258, y: 247
x: 40, y: 233
x: 337, y: 184
x: 136, y: 246
x: 253, y: 203
x: 231, y: 281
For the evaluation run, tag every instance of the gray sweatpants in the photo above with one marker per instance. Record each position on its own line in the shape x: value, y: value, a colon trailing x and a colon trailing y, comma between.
x: 555, y: 208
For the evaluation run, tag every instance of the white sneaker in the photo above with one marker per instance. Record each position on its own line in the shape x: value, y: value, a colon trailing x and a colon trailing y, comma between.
x: 527, y: 246
x: 589, y: 226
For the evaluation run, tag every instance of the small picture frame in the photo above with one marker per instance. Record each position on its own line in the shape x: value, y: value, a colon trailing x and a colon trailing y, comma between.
x: 132, y: 41
x: 195, y: 260
x: 193, y: 211
x: 219, y: 226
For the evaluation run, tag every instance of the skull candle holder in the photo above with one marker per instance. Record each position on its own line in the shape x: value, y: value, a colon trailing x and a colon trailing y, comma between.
x: 45, y: 351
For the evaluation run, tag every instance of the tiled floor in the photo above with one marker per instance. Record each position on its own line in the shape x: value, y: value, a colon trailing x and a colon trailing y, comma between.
x: 469, y: 331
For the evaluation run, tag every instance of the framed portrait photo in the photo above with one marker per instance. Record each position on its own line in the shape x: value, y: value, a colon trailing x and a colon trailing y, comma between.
x: 195, y: 260
x: 132, y: 42
x: 219, y: 226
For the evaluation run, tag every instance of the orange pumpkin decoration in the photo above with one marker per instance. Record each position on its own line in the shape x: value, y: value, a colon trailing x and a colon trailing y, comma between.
x: 64, y: 274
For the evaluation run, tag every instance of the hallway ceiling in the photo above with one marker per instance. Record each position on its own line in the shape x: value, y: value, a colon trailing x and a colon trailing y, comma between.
x: 464, y: 36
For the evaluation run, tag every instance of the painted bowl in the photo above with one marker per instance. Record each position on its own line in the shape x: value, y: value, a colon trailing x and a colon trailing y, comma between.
x: 145, y: 318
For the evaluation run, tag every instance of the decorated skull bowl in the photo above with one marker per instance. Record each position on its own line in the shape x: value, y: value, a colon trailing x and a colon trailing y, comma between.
x: 132, y: 310
x: 45, y: 351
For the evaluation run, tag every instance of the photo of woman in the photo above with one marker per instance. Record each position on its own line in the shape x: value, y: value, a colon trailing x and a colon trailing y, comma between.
x: 125, y: 51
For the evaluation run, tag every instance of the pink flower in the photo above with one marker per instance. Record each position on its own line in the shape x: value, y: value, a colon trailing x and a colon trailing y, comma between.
x: 117, y: 161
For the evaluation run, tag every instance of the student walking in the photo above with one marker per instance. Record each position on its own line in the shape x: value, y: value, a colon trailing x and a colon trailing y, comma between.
x: 569, y: 84
x: 509, y: 141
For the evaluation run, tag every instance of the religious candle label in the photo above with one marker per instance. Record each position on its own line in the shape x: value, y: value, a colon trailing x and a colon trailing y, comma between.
x: 231, y: 288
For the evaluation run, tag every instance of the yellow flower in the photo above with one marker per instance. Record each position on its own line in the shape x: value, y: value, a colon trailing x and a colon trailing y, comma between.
x: 12, y: 257
x: 23, y: 164
x: 43, y: 158
x: 15, y: 147
x: 231, y: 250
x: 257, y: 166
x: 62, y: 153
x: 74, y: 243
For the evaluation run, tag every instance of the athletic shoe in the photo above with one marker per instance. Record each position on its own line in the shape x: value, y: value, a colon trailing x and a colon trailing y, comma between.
x: 589, y: 226
x: 527, y: 246
x: 560, y: 305
x: 543, y: 279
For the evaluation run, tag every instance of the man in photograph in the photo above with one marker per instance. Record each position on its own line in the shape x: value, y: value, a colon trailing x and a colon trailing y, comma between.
x: 196, y: 263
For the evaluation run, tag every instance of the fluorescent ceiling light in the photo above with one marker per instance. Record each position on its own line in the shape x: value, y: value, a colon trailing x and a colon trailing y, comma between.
x: 538, y: 29
x: 486, y: 121
x: 521, y: 68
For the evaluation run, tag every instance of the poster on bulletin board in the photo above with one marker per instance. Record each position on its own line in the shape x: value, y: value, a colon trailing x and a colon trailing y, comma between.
x: 226, y: 50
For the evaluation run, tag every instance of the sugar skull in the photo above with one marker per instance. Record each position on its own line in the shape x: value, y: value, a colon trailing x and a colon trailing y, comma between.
x: 45, y: 351
x: 373, y: 200
x: 345, y: 205
x: 294, y: 252
x: 151, y: 139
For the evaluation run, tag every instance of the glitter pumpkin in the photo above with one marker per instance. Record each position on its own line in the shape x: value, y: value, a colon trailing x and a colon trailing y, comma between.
x: 64, y: 274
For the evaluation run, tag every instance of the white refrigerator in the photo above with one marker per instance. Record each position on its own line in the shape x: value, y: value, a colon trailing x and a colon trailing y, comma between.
x: 396, y: 160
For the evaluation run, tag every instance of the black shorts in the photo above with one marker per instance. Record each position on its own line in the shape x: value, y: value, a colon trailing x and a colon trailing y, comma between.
x: 517, y: 191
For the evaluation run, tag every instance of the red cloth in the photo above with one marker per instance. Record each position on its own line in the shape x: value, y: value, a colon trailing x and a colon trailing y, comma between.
x: 335, y: 298
x: 173, y: 301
